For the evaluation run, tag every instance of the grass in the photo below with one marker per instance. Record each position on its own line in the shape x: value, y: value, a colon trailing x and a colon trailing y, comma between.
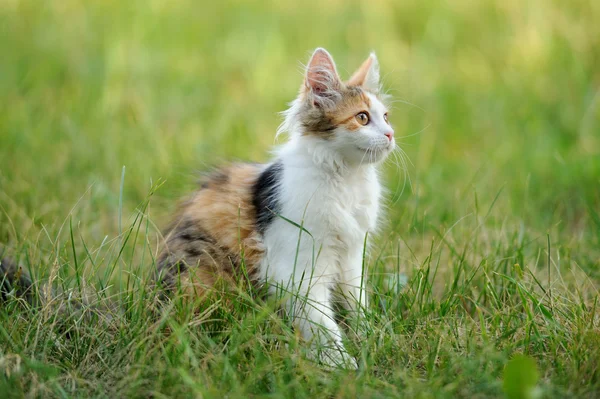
x: 109, y: 108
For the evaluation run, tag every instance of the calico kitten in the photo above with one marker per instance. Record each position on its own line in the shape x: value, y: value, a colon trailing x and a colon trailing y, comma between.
x: 299, y: 222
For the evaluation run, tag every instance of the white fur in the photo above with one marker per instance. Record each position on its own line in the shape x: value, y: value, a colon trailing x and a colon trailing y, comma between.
x: 372, y: 79
x: 331, y: 189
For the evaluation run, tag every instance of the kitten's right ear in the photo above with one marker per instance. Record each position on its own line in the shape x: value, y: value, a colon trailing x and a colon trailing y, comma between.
x: 322, y: 81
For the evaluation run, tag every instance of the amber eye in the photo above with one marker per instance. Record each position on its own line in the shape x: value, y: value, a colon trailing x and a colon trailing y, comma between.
x: 385, y: 117
x: 362, y: 118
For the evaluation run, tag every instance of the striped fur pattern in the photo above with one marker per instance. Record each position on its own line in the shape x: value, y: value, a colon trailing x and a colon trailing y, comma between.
x: 211, y: 232
x: 15, y: 280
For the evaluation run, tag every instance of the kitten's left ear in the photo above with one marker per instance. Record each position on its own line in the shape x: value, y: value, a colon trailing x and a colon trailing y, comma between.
x: 367, y: 75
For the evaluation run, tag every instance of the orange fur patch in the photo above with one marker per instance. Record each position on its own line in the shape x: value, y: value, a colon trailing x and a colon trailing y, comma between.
x: 227, y: 214
x: 214, y: 233
x: 358, y: 78
x: 354, y: 100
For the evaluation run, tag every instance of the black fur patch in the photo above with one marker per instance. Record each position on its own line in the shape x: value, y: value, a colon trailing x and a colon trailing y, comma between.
x: 265, y: 196
x: 188, y: 230
x: 219, y: 177
x: 216, y: 178
x: 314, y: 120
x: 321, y: 124
x: 193, y: 251
x: 187, y: 241
x: 14, y: 278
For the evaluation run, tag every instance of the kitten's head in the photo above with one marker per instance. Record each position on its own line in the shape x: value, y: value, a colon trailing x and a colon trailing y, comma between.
x: 349, y: 117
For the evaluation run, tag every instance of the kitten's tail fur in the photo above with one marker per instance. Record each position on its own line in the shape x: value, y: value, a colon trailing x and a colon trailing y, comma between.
x: 15, y: 281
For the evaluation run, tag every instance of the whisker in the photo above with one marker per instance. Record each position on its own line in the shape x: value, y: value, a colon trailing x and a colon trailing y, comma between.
x: 363, y: 158
x: 400, y: 161
x: 391, y: 102
x: 414, y: 134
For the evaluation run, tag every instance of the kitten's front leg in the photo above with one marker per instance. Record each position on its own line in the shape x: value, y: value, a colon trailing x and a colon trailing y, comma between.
x: 306, y: 286
x: 311, y: 308
x: 352, y: 287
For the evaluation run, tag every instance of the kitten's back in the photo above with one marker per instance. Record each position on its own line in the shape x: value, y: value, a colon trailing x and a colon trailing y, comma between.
x: 214, y: 233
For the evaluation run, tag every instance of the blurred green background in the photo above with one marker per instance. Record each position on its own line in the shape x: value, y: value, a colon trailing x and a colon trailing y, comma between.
x: 494, y: 224
x: 492, y: 97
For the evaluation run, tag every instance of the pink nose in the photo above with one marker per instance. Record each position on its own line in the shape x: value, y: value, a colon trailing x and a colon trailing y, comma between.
x: 389, y: 135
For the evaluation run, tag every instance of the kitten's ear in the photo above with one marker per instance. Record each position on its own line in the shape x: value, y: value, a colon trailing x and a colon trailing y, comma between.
x: 367, y: 75
x: 322, y: 80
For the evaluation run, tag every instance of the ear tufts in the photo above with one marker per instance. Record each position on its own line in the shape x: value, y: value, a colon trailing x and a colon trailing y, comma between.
x: 367, y: 75
x: 322, y: 82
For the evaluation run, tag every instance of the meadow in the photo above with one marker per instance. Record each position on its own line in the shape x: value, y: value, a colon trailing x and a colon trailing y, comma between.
x: 483, y: 279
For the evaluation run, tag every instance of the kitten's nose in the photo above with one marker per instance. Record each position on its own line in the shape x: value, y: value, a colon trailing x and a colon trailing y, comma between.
x: 389, y: 135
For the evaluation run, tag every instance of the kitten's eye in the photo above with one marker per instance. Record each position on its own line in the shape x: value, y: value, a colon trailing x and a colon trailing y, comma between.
x: 385, y: 117
x: 362, y: 118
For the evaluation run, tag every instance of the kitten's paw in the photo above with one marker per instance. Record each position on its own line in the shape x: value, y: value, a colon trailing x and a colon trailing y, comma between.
x: 334, y: 358
x: 358, y: 330
x: 346, y: 361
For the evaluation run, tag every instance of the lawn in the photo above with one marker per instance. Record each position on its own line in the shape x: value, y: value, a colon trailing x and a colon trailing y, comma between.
x: 483, y: 278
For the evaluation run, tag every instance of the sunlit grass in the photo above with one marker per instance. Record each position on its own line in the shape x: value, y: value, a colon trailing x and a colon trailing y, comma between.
x: 490, y: 246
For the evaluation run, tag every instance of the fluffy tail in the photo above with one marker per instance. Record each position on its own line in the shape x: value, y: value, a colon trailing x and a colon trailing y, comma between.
x: 14, y: 281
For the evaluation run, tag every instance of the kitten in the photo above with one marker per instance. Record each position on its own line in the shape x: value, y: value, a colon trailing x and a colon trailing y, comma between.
x: 300, y: 221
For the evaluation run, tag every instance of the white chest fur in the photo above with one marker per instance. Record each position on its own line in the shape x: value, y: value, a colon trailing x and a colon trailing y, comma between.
x: 327, y: 204
x: 335, y: 209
